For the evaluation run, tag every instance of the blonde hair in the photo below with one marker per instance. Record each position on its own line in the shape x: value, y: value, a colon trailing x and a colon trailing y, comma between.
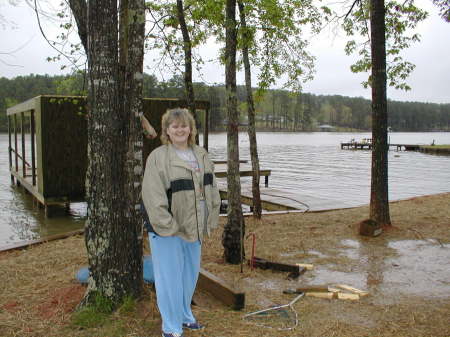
x: 180, y: 115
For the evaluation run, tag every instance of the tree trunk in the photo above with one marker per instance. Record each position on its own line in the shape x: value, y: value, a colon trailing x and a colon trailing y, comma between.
x: 187, y: 47
x: 113, y: 231
x: 234, y: 228
x: 251, y: 129
x: 79, y: 11
x: 379, y: 199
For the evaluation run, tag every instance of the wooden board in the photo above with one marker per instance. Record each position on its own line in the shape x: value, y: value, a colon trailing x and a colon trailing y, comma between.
x: 222, y: 161
x: 245, y: 170
x: 294, y: 270
x: 351, y: 297
x: 352, y: 289
x: 219, y: 289
x: 27, y: 244
x: 328, y: 295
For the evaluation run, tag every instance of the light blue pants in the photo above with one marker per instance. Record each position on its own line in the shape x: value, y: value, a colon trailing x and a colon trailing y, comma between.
x: 176, y: 264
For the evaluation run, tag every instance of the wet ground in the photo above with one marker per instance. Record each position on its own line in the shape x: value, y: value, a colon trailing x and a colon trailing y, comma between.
x: 393, y: 269
x: 405, y: 271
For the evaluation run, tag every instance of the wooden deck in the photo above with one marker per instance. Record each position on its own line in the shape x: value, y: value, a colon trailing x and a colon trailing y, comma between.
x: 245, y: 170
x: 271, y: 199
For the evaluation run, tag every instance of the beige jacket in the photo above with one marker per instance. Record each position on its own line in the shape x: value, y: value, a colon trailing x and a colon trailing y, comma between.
x: 171, y: 192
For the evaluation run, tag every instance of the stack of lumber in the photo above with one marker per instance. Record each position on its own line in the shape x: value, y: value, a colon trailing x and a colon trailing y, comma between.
x: 339, y: 291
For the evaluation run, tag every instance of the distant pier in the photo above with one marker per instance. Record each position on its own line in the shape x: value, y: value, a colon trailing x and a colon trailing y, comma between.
x: 366, y: 144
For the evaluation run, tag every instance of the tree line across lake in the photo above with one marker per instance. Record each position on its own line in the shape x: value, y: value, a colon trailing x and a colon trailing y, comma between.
x: 276, y: 110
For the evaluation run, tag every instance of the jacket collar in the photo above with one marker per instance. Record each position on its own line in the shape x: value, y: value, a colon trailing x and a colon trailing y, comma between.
x: 177, y: 161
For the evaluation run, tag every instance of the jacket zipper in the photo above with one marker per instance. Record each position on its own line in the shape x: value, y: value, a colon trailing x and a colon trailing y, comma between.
x: 195, y: 202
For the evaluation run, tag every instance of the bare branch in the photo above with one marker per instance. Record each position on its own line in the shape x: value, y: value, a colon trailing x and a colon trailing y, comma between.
x: 46, y: 39
x: 351, y: 8
x: 79, y: 10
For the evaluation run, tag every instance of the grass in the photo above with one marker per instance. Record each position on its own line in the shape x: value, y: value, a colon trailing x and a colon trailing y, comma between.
x: 436, y: 149
x: 436, y: 146
x: 93, y: 315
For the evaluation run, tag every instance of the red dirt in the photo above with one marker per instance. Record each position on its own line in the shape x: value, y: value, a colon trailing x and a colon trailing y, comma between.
x: 12, y: 306
x: 62, y: 300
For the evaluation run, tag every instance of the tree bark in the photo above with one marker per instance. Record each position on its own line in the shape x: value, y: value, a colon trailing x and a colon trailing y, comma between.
x: 379, y: 195
x: 187, y: 47
x: 234, y: 228
x: 251, y: 129
x: 113, y: 230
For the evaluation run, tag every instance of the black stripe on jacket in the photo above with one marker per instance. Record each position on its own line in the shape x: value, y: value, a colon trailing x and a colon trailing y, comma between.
x: 207, y: 179
x: 175, y: 186
x: 181, y: 185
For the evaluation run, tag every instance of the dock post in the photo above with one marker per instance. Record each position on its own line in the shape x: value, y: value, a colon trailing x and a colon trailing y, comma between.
x: 22, y: 134
x: 15, y: 144
x: 33, y: 149
x: 9, y: 149
x: 206, y: 129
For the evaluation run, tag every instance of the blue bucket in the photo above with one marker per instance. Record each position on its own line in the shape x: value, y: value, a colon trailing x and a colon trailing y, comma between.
x: 82, y: 275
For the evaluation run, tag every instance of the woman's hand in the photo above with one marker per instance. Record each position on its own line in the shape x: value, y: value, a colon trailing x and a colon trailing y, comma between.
x: 149, y: 131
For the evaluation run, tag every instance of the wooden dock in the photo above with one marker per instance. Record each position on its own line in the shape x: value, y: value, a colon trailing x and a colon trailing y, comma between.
x: 368, y: 146
x: 271, y: 199
x: 245, y: 170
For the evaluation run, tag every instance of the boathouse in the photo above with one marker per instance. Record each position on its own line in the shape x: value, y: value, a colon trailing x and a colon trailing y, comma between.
x: 48, y: 144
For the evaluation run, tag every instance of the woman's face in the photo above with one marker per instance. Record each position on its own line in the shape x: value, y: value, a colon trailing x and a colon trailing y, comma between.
x: 178, y: 132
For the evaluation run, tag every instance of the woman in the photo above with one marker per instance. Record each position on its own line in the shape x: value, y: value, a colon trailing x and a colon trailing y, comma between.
x: 182, y: 200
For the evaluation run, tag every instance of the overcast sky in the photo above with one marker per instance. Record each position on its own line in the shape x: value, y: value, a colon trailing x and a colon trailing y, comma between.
x: 23, y: 51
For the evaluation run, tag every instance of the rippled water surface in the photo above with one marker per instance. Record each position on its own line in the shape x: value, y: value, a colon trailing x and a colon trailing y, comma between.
x: 311, y: 166
x: 314, y: 168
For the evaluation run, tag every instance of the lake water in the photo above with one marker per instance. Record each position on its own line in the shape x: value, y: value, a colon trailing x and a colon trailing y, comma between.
x: 310, y: 166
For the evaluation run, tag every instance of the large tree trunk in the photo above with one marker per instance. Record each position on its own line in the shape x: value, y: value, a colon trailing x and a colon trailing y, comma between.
x: 187, y: 47
x: 251, y: 115
x: 79, y: 11
x: 234, y: 228
x: 132, y: 65
x: 113, y: 231
x: 379, y: 199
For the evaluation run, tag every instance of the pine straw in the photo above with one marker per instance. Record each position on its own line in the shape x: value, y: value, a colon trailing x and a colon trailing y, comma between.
x: 38, y: 292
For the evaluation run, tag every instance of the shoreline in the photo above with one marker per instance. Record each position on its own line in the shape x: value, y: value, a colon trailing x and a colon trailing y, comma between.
x: 28, y: 243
